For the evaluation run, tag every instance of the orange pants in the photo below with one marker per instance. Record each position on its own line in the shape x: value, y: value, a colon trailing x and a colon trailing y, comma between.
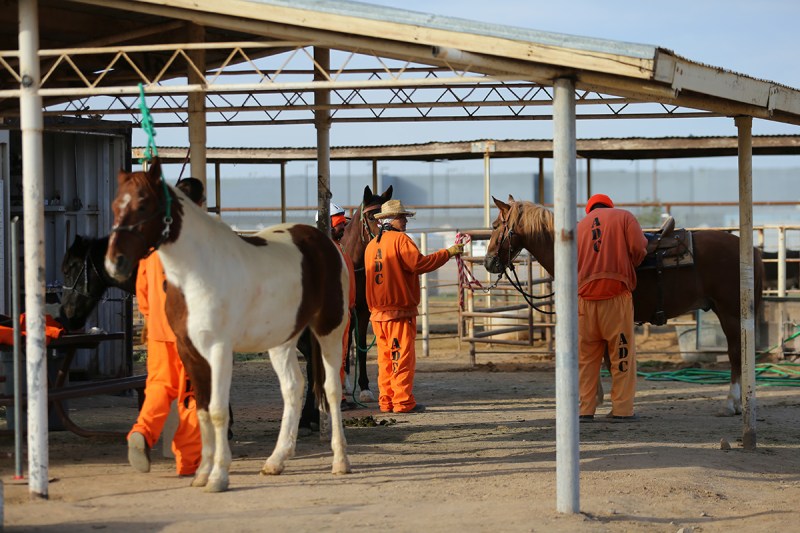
x: 607, y: 325
x: 397, y: 360
x: 167, y: 381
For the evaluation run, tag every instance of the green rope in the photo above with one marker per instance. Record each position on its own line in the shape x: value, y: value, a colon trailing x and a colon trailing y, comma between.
x: 151, y: 151
x: 767, y: 374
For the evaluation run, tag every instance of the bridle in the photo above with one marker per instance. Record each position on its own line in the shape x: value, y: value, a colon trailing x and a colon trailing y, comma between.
x: 84, y: 272
x: 507, y: 235
x: 366, y: 231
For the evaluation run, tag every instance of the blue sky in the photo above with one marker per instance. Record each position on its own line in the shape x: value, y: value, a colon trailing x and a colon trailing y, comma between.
x: 759, y: 39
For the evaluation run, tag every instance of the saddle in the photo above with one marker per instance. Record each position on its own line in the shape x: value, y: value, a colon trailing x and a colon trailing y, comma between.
x: 666, y: 248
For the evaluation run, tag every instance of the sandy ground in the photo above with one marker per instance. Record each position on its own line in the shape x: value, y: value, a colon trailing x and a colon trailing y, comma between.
x: 482, y: 458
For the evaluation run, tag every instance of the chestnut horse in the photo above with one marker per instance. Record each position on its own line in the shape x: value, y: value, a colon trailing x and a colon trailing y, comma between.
x: 227, y: 293
x: 711, y: 283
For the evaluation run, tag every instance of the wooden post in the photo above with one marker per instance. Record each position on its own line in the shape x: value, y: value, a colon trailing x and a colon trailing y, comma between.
x: 322, y: 122
x: 197, y: 105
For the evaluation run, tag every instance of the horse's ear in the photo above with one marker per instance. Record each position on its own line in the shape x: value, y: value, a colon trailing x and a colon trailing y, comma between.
x: 367, y: 195
x: 122, y: 176
x: 387, y: 194
x: 510, y: 199
x: 502, y: 206
x: 154, y: 172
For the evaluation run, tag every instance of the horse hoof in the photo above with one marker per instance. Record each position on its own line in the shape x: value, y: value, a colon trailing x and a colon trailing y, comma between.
x: 366, y: 396
x: 217, y: 485
x: 341, y: 467
x: 728, y: 411
x: 200, y: 480
x: 271, y: 470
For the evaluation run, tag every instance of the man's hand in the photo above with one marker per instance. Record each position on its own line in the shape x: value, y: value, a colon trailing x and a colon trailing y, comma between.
x: 456, y: 249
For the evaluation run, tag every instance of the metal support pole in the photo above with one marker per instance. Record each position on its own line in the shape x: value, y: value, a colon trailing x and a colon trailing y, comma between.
x: 375, y: 176
x: 541, y: 199
x: 197, y: 105
x: 218, y: 187
x: 32, y: 124
x: 566, y: 287
x: 423, y: 289
x: 283, y: 191
x: 15, y: 312
x: 487, y: 191
x: 322, y: 122
x: 745, y: 127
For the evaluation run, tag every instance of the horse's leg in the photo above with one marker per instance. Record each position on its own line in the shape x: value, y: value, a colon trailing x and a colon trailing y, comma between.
x: 331, y: 346
x: 310, y: 414
x: 221, y: 362
x: 362, y: 322
x: 290, y: 378
x: 732, y: 329
x: 207, y: 453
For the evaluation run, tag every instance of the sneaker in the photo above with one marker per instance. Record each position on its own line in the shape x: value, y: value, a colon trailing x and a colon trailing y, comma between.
x: 139, y: 452
x: 586, y: 418
x: 419, y: 408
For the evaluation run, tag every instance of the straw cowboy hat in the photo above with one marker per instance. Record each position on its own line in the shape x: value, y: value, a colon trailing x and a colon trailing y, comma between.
x: 393, y: 208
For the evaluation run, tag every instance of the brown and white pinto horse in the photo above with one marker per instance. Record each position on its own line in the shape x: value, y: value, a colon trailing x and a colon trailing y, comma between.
x: 711, y: 283
x: 226, y: 293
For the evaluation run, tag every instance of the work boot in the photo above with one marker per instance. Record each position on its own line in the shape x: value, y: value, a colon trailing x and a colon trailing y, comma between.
x: 139, y: 452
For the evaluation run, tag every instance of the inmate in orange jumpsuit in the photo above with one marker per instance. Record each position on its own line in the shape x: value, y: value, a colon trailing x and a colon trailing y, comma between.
x: 166, y: 377
x: 393, y: 264
x: 610, y: 246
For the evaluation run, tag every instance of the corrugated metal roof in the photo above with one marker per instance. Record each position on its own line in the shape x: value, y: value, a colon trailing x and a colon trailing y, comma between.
x: 462, y: 25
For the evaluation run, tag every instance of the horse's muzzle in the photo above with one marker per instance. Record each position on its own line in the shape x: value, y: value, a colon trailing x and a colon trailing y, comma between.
x: 119, y: 267
x: 492, y: 264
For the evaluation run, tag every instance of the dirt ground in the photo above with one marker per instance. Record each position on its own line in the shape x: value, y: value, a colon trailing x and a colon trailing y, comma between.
x: 482, y: 458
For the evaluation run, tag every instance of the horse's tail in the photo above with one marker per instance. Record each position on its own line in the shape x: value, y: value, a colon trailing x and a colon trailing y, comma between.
x: 318, y: 377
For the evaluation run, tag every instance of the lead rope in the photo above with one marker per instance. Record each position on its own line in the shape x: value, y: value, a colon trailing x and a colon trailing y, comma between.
x: 150, y: 152
x: 466, y: 279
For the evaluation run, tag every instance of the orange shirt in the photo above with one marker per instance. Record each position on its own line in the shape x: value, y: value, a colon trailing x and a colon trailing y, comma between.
x: 393, y: 266
x: 151, y: 296
x: 611, y: 245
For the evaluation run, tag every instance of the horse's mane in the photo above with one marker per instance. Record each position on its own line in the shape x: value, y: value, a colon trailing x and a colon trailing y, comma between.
x: 533, y: 220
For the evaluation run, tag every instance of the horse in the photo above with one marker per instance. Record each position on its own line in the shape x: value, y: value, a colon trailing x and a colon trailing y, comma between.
x: 86, y: 280
x: 360, y: 229
x: 771, y: 269
x: 229, y: 293
x: 711, y: 283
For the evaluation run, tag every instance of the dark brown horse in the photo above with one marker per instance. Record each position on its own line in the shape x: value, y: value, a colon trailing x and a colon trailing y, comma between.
x: 712, y: 283
x: 359, y: 231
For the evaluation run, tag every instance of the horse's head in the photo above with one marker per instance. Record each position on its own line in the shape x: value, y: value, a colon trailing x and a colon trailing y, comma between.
x: 503, y: 246
x: 143, y: 219
x: 370, y: 205
x: 83, y: 286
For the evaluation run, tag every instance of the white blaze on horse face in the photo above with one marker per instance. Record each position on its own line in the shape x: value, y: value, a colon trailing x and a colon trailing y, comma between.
x: 124, y: 202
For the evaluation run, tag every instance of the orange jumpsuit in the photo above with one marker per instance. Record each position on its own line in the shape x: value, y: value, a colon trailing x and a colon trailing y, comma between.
x: 393, y: 264
x: 610, y: 246
x: 166, y: 377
